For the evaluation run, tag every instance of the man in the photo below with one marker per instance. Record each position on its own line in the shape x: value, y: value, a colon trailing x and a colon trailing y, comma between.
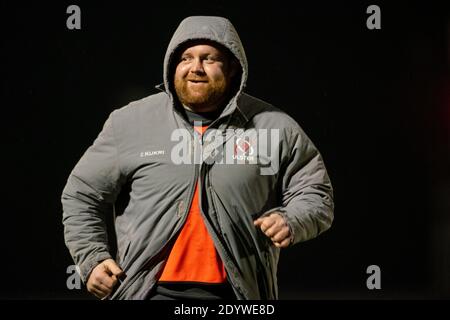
x: 199, y: 224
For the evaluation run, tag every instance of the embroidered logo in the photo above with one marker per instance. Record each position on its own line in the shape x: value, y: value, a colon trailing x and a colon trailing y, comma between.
x: 151, y: 153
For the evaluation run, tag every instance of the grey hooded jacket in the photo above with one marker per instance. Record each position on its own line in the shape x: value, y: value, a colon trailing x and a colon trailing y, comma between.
x: 145, y: 144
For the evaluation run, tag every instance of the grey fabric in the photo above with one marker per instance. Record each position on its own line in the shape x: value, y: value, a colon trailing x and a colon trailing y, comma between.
x: 136, y: 147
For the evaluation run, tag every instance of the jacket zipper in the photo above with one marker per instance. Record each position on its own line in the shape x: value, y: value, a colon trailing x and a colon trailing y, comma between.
x: 180, y: 224
x: 217, y: 241
x: 184, y: 217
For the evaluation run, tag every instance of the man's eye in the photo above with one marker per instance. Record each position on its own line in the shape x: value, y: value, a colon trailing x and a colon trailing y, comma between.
x: 211, y: 59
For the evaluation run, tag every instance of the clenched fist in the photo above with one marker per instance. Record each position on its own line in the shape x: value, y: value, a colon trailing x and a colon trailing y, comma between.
x: 275, y: 227
x: 104, y: 278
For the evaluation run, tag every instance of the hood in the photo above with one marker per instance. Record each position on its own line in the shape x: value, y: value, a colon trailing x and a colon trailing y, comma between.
x: 217, y: 29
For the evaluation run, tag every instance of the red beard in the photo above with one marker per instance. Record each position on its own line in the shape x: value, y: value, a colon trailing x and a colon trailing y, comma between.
x: 202, y: 96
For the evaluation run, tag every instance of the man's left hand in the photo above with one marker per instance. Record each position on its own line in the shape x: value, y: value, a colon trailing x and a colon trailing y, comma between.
x: 275, y: 227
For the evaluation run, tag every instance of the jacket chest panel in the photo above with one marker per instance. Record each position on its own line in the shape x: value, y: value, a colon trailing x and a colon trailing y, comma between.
x: 242, y: 185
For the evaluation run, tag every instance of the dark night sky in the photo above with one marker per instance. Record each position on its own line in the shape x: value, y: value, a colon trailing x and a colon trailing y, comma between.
x: 375, y: 102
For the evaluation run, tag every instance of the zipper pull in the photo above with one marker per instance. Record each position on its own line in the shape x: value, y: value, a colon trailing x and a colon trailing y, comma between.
x: 180, y: 209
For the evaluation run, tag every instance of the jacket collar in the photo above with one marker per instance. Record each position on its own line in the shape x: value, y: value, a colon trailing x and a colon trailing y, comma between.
x: 237, y: 107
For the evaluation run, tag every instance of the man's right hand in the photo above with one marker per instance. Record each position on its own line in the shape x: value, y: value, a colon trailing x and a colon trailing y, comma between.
x: 104, y: 278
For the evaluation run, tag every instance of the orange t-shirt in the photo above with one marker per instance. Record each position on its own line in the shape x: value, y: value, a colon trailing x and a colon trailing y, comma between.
x: 194, y: 257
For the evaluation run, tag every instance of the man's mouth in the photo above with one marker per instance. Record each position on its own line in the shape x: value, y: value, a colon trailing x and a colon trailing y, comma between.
x: 197, y: 81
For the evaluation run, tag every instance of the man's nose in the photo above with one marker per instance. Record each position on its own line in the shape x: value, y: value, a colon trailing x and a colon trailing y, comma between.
x: 197, y: 66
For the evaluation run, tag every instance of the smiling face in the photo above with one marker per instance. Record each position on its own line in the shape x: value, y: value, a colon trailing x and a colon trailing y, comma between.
x: 203, y: 77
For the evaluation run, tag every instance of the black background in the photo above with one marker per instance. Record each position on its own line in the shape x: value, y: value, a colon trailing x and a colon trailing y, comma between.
x: 375, y: 102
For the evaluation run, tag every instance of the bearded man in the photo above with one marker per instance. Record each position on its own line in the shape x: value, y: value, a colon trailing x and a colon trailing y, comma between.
x: 200, y: 229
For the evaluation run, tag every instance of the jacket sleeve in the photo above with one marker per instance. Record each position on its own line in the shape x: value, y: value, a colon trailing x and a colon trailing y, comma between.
x: 88, y: 196
x: 307, y: 193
